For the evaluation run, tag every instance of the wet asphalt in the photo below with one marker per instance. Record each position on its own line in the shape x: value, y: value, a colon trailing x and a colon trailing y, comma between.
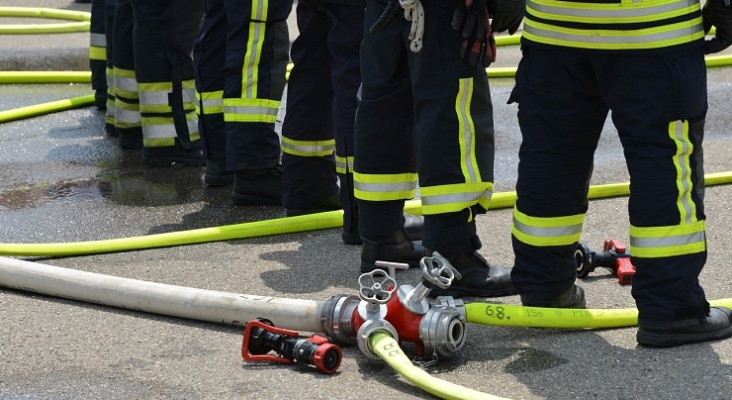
x: 62, y: 179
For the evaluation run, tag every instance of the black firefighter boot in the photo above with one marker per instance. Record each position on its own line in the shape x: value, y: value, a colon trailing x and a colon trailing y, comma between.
x: 396, y: 247
x: 574, y: 297
x: 717, y: 324
x: 479, y: 278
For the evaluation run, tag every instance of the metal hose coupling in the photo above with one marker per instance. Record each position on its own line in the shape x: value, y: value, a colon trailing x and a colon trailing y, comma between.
x: 336, y: 318
x: 442, y: 329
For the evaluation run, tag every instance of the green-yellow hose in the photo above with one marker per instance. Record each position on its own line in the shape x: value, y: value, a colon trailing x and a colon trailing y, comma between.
x: 326, y: 220
x: 536, y: 317
x: 32, y: 12
x: 45, y: 108
x: 388, y: 350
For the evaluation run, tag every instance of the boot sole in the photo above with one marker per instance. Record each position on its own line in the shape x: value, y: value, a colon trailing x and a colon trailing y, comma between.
x: 652, y: 339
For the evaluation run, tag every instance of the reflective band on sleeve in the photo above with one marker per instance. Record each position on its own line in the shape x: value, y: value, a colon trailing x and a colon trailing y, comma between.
x: 314, y: 148
x: 547, y: 231
x: 668, y: 241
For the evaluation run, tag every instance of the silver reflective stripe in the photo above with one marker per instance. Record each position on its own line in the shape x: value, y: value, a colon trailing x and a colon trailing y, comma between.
x: 608, y: 13
x: 243, y: 110
x: 667, y: 241
x: 213, y: 103
x: 384, y: 187
x: 128, y: 84
x: 130, y: 117
x: 454, y: 198
x: 302, y: 148
x: 97, y: 40
x: 344, y: 163
x: 161, y: 97
x: 591, y: 37
x: 682, y: 160
x: 546, y: 232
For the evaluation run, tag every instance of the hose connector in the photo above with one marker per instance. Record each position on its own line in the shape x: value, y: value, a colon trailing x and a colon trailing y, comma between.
x: 336, y: 318
x: 442, y: 330
x: 369, y: 328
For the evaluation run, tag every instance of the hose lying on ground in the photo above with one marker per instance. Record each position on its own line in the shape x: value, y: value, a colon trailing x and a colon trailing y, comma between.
x: 388, y: 350
x: 325, y: 220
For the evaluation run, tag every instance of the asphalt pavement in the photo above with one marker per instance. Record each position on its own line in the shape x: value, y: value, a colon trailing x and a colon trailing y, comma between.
x: 63, y: 180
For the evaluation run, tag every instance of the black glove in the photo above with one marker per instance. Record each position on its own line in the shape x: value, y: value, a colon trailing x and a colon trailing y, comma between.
x: 471, y: 18
x: 718, y: 13
x: 507, y: 15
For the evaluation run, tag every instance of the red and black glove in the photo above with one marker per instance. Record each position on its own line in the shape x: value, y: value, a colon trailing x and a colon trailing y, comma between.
x: 507, y: 15
x: 718, y: 13
x: 471, y: 18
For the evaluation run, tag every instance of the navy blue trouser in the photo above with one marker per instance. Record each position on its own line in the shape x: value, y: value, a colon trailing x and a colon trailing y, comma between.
x: 241, y: 49
x: 321, y: 102
x: 564, y: 98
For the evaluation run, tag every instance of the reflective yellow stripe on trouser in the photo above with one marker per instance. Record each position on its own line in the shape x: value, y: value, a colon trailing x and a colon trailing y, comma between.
x: 547, y: 231
x: 458, y: 196
x: 251, y: 108
x: 97, y: 47
x: 308, y: 148
x: 344, y: 165
x: 158, y: 126
x: 613, y: 25
x: 210, y: 102
x: 689, y: 237
x: 384, y: 187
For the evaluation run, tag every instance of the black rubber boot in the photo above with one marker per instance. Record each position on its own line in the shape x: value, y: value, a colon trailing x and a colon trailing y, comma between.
x: 100, y: 99
x: 716, y: 325
x: 573, y: 297
x: 396, y: 247
x: 258, y: 187
x: 130, y: 138
x: 479, y: 278
x: 217, y: 175
x: 167, y: 156
x: 328, y: 204
x: 412, y: 223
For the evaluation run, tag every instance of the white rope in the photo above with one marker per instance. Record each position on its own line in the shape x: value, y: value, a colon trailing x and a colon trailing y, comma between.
x: 413, y: 11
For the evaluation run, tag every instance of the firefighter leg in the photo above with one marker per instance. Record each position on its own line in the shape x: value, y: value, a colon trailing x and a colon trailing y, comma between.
x: 309, y: 172
x: 163, y: 40
x: 209, y: 53
x: 551, y: 202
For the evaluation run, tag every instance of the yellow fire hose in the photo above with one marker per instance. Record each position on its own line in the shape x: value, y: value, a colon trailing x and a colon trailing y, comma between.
x: 382, y: 343
x: 388, y: 350
x: 326, y: 220
x: 32, y: 12
x: 559, y: 318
